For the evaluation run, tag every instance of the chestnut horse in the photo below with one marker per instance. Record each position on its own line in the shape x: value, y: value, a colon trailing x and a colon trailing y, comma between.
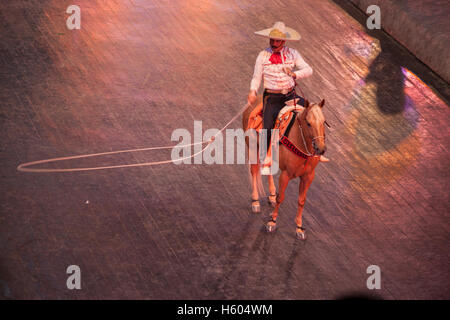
x: 308, y: 135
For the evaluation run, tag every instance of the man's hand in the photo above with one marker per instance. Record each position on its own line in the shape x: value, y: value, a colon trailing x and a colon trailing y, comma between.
x: 251, y: 97
x: 289, y: 72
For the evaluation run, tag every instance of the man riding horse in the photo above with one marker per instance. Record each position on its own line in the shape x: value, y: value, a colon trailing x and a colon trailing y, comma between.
x: 275, y: 65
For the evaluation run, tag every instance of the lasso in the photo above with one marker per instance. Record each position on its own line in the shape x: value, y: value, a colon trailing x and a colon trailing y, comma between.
x: 25, y: 167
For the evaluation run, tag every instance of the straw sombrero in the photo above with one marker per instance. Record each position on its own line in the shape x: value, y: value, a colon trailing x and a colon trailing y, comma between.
x: 279, y: 31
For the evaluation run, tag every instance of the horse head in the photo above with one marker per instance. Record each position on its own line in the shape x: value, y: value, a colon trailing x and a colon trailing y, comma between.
x: 312, y: 128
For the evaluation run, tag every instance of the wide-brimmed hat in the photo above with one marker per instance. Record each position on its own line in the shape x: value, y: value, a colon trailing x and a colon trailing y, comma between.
x: 279, y: 31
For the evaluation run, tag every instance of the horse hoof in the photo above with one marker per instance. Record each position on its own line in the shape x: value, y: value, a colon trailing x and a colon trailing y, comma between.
x: 256, y: 208
x: 301, y: 235
x: 271, y: 228
x: 273, y: 202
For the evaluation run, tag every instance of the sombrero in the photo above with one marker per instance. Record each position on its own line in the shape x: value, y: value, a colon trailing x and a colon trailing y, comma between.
x: 279, y: 31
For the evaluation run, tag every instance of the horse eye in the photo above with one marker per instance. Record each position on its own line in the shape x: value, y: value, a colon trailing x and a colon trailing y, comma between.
x: 308, y: 124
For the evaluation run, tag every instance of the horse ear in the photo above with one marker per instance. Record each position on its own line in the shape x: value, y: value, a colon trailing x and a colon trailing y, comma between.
x: 306, y: 104
x: 321, y: 104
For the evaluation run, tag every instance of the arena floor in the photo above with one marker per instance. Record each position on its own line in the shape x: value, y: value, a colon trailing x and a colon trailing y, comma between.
x: 136, y: 71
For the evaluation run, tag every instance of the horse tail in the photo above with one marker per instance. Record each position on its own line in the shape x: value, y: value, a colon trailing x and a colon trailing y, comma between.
x: 259, y: 183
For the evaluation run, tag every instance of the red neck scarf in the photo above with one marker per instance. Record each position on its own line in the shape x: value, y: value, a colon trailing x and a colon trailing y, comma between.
x: 275, y: 58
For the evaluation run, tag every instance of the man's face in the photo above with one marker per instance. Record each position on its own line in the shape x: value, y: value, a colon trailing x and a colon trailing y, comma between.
x: 276, y: 45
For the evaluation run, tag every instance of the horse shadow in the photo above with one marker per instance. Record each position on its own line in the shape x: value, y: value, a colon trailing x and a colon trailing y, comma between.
x: 245, y: 262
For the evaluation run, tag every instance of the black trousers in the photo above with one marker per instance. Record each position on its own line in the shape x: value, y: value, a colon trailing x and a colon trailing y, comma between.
x: 272, y: 104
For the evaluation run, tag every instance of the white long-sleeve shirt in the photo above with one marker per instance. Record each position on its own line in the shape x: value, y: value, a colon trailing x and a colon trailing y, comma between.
x: 274, y: 76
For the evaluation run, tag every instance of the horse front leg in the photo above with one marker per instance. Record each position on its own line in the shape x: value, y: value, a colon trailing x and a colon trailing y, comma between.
x: 273, y: 191
x: 305, y: 182
x: 282, y: 185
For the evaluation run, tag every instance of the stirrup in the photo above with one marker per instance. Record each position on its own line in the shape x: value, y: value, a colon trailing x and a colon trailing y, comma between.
x: 265, y: 171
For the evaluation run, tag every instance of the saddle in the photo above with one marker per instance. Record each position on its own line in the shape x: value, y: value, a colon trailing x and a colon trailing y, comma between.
x: 282, y: 123
x: 283, y: 119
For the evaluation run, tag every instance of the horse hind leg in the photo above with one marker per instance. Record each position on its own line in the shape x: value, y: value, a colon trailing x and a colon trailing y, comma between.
x: 254, y: 170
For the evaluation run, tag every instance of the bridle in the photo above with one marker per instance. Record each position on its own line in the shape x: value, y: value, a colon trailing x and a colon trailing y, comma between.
x: 312, y: 139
